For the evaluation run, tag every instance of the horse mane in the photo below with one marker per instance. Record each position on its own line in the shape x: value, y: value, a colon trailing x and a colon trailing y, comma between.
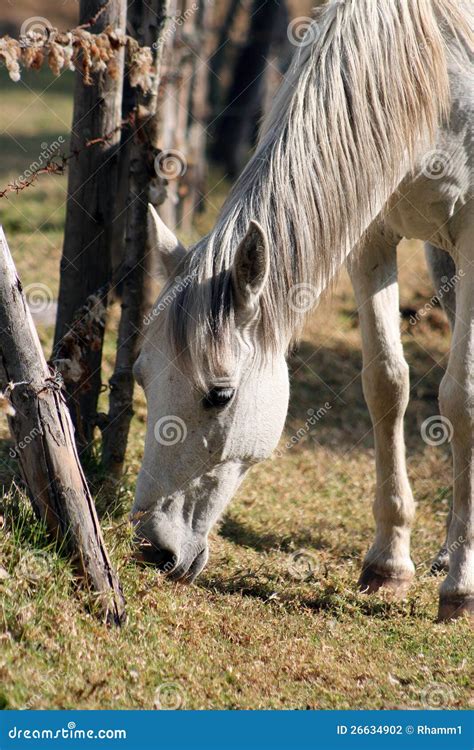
x: 344, y: 129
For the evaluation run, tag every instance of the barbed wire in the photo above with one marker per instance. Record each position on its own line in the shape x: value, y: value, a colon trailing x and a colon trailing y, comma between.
x: 57, y: 164
x: 92, y: 21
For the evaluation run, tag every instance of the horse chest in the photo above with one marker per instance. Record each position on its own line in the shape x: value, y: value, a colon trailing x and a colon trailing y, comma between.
x: 423, y: 211
x: 424, y: 207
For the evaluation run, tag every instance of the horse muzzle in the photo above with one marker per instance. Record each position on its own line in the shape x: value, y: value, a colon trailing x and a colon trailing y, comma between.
x: 181, y: 563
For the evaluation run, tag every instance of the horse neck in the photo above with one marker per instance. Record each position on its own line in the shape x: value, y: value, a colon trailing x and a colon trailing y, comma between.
x: 343, y: 131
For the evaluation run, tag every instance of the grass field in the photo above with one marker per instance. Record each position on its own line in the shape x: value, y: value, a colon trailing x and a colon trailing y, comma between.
x: 263, y: 627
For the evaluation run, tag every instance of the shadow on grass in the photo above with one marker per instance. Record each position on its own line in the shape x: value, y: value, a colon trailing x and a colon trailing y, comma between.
x: 245, y: 536
x: 332, y: 376
x: 19, y: 518
x: 329, y: 599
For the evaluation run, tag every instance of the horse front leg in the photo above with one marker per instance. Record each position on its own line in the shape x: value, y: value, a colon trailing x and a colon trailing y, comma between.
x: 456, y: 398
x: 385, y: 382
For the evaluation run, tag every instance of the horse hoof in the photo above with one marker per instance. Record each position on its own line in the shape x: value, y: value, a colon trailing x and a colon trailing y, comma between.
x: 453, y: 607
x: 371, y: 581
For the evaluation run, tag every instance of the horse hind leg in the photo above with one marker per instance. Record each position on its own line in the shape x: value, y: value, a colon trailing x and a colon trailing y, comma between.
x: 443, y: 273
x: 385, y: 381
x: 457, y: 405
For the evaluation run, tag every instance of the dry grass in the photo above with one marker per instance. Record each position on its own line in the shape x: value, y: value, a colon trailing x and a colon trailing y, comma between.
x: 249, y: 634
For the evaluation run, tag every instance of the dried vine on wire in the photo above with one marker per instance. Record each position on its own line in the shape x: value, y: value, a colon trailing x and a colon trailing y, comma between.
x: 77, y: 49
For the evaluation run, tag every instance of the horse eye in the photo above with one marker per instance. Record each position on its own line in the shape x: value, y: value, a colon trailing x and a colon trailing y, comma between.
x: 218, y: 397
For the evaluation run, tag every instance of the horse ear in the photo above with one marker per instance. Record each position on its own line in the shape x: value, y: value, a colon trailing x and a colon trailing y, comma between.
x: 169, y: 250
x: 251, y: 268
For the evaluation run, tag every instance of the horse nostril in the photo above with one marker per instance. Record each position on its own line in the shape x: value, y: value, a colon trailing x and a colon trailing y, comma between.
x: 167, y: 560
x: 164, y: 559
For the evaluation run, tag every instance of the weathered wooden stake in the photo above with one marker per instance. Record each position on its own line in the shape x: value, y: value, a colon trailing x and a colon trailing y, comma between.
x: 92, y: 185
x: 45, y: 444
x: 147, y: 20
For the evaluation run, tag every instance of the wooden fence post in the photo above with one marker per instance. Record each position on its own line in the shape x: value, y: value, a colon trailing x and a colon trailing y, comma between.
x: 86, y: 264
x: 184, y: 110
x: 147, y: 20
x: 45, y: 444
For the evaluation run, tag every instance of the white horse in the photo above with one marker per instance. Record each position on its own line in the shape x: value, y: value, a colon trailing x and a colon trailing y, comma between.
x: 367, y: 142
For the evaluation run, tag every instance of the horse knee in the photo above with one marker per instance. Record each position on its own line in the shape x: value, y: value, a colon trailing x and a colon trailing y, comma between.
x: 386, y: 386
x: 456, y: 401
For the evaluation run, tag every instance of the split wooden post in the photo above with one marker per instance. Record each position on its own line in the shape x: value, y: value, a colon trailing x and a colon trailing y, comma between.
x: 148, y: 21
x: 44, y: 437
x: 88, y: 236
